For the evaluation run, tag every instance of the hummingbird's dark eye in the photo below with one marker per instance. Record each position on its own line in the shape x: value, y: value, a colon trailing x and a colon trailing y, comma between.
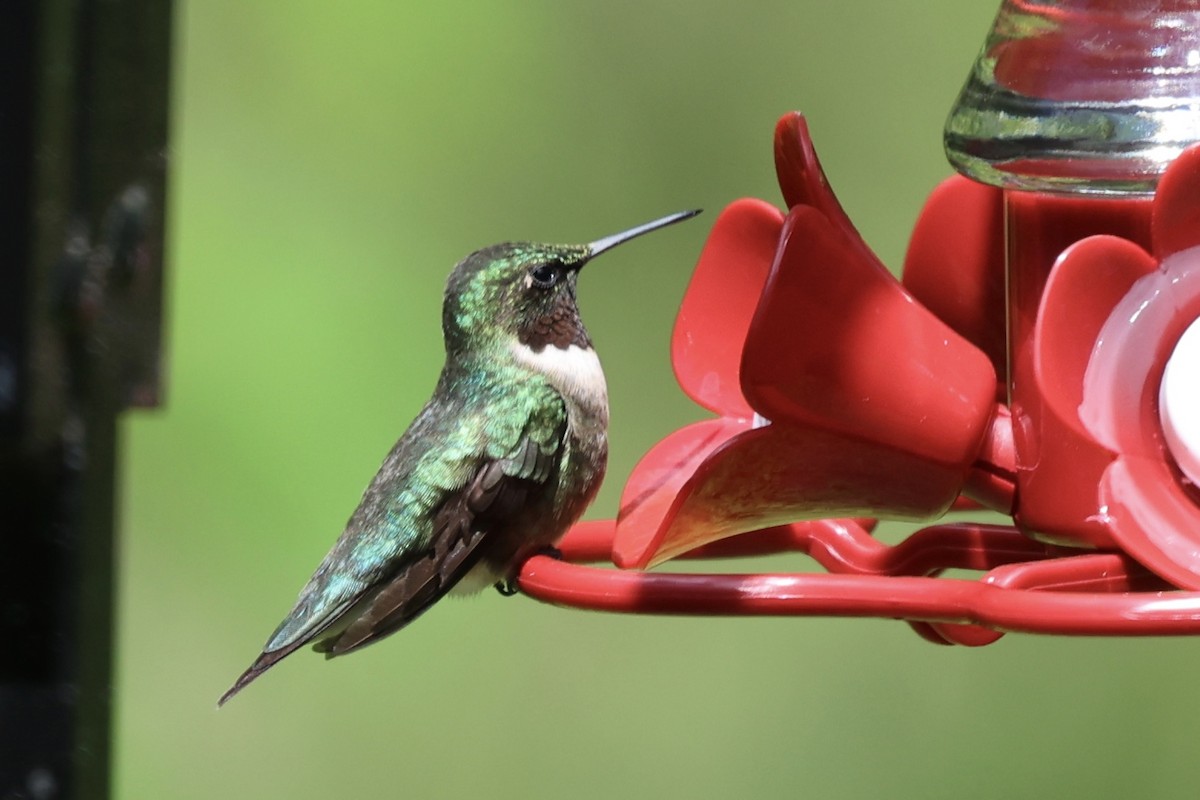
x: 544, y: 276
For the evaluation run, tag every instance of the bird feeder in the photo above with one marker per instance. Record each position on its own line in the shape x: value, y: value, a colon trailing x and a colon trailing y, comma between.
x: 1039, y: 358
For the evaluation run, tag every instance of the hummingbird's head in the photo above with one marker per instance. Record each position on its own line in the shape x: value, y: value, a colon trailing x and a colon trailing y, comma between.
x: 524, y: 292
x: 515, y: 290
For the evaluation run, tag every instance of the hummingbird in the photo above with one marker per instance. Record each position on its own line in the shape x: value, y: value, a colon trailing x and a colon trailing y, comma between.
x: 502, y: 460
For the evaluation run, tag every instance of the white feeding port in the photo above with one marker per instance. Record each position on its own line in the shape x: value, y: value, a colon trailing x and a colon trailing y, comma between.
x: 1179, y: 403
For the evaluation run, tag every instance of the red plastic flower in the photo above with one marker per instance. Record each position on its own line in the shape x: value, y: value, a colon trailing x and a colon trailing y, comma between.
x: 838, y: 393
x: 1110, y: 318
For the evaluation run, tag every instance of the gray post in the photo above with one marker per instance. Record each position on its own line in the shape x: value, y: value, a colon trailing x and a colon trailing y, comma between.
x: 83, y: 132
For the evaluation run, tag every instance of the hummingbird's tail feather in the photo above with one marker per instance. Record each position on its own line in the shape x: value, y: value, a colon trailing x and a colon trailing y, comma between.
x: 298, y: 629
x: 264, y: 662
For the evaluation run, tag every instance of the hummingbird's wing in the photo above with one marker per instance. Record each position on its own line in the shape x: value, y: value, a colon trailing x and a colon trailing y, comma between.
x: 500, y: 488
x: 354, y: 597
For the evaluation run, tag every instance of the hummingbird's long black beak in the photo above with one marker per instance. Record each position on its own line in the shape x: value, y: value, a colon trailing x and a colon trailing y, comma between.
x: 608, y: 242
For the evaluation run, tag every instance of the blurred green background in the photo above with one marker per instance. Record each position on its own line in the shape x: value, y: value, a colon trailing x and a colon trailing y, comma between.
x: 330, y: 163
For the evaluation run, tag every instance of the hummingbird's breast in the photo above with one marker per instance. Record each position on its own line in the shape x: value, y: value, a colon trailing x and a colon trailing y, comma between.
x: 575, y: 373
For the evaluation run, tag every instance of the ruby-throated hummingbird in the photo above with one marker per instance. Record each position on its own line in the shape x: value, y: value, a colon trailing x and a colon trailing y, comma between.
x: 500, y: 462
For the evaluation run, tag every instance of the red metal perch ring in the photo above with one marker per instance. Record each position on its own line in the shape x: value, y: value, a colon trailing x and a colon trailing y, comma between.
x: 1086, y: 594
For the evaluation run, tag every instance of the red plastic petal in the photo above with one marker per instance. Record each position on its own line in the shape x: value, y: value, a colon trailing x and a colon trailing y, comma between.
x: 1154, y: 519
x: 1122, y: 380
x: 1085, y: 285
x: 955, y: 263
x: 839, y: 344
x: 656, y: 480
x: 798, y: 169
x: 706, y: 346
x: 1176, y: 220
x: 781, y: 473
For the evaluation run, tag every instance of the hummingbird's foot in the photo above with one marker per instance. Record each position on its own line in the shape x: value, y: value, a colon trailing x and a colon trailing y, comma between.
x: 549, y: 550
x: 510, y: 584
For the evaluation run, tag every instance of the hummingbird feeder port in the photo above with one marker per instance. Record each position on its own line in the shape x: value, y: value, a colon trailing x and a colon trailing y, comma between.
x: 1179, y: 403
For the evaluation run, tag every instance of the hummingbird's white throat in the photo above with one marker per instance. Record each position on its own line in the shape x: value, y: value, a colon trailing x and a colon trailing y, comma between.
x: 574, y: 371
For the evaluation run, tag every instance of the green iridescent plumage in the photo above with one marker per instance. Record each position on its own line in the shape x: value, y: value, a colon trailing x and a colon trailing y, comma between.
x: 481, y: 419
x: 500, y: 462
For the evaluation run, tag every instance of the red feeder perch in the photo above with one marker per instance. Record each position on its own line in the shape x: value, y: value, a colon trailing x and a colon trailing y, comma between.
x: 1069, y: 402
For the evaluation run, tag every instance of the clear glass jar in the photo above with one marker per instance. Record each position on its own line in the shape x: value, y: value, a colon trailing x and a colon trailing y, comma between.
x: 1080, y: 96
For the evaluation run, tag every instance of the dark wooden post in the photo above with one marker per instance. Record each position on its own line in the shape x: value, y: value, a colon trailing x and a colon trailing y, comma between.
x: 83, y: 133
